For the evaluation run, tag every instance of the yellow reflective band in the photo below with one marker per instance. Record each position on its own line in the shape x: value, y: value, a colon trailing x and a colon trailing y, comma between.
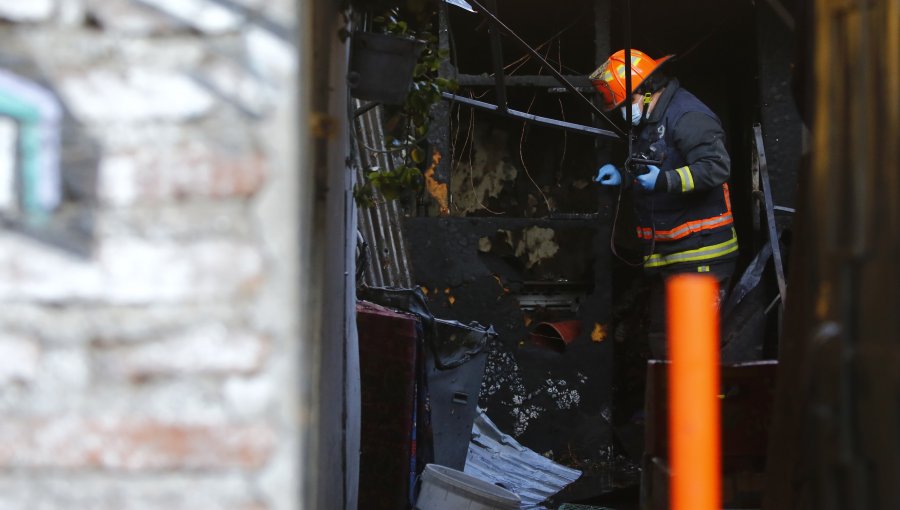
x: 635, y: 61
x: 687, y: 180
x: 703, y: 269
x: 687, y: 228
x: 648, y: 98
x: 607, y: 76
x: 704, y: 253
x: 681, y: 176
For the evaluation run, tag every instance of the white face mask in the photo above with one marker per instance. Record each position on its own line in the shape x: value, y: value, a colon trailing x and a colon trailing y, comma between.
x: 636, y: 113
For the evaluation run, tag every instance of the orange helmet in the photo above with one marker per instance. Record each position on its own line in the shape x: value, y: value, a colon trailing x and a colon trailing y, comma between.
x: 609, y: 79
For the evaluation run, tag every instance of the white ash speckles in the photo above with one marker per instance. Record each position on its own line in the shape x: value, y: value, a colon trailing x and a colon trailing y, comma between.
x: 503, y: 379
x: 563, y: 397
x: 523, y: 416
x: 557, y: 391
x: 502, y: 372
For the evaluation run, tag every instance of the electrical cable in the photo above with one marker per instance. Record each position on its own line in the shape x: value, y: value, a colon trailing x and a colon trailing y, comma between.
x: 562, y: 79
x: 626, y: 170
x: 527, y: 56
x: 562, y: 114
x: 522, y: 145
x: 522, y: 157
x: 472, y: 166
x: 470, y: 132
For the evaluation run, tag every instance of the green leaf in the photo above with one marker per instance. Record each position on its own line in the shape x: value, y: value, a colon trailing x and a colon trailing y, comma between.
x: 363, y: 195
x: 412, y: 178
x: 390, y: 192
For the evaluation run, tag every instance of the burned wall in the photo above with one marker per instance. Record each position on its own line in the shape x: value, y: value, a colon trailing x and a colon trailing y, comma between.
x: 514, y: 274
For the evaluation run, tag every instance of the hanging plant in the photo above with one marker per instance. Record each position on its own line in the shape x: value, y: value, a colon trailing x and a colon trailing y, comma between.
x: 407, y: 125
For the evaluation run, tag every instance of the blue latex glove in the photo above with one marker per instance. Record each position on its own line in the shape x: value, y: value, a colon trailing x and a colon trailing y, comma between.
x: 608, y: 175
x: 648, y: 180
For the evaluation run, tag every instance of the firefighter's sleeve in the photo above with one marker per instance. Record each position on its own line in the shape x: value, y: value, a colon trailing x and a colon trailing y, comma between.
x: 701, y: 141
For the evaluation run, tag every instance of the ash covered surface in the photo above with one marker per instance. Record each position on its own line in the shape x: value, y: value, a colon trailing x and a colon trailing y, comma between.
x: 557, y: 403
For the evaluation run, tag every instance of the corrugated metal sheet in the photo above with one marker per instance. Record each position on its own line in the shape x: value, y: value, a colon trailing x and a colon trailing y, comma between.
x: 498, y: 458
x: 386, y: 264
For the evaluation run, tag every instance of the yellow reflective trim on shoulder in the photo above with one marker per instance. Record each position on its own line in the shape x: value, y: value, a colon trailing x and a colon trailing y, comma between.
x: 704, y: 253
x: 703, y: 269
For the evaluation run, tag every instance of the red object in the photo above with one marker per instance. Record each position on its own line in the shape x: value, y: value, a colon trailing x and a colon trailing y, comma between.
x: 694, y: 442
x: 555, y: 335
x: 387, y: 359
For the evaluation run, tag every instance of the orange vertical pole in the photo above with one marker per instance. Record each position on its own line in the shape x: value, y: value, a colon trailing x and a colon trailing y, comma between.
x: 693, y: 343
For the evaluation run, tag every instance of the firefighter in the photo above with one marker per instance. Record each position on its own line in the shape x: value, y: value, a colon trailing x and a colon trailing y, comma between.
x: 684, y: 218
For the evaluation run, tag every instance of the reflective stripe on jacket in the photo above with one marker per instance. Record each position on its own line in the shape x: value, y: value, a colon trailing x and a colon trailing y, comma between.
x: 692, y: 219
x: 710, y: 252
x: 691, y: 227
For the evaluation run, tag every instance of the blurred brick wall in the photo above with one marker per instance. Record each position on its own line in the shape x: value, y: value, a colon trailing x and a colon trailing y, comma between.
x: 161, y: 371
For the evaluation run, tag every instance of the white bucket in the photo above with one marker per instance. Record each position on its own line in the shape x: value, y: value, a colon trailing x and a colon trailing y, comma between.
x: 444, y: 488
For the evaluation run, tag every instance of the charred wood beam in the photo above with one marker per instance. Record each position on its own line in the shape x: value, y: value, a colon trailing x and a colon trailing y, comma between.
x: 547, y: 66
x: 439, y: 128
x: 769, y: 205
x: 535, y: 119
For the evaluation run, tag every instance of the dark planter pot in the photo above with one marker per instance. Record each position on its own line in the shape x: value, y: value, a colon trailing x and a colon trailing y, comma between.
x: 381, y: 66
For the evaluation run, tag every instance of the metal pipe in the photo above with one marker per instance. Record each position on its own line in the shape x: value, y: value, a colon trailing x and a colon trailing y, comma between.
x: 537, y: 119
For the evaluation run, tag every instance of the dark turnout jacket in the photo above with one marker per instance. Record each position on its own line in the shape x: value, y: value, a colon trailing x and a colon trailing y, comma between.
x: 687, y: 219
